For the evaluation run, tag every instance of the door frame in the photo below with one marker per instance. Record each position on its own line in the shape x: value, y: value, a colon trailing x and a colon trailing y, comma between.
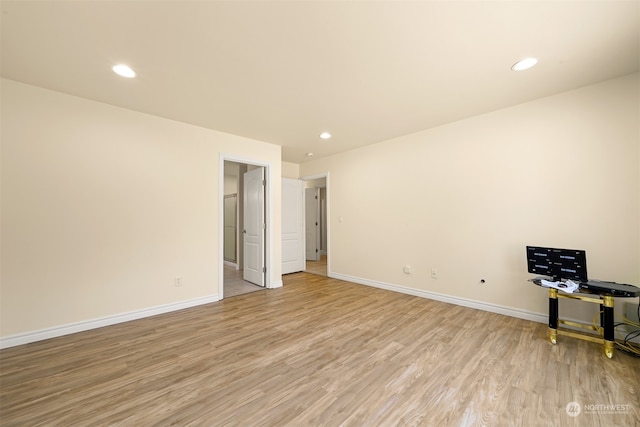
x: 325, y: 175
x: 268, y: 202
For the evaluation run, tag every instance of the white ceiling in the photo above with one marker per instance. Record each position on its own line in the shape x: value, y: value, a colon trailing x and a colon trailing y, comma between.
x: 283, y: 72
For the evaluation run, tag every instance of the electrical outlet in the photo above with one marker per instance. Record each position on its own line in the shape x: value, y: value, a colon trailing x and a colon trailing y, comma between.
x: 434, y: 273
x: 178, y: 281
x: 406, y: 269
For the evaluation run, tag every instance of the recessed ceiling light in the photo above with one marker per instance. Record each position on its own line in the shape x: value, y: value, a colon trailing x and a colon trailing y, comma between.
x: 124, y: 71
x: 309, y: 154
x: 325, y: 135
x: 524, y: 64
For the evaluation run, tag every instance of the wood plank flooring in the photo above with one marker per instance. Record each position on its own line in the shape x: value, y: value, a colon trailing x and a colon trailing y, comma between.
x: 317, y: 267
x: 317, y: 352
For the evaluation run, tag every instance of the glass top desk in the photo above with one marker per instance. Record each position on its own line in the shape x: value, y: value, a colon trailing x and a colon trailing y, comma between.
x: 602, y: 293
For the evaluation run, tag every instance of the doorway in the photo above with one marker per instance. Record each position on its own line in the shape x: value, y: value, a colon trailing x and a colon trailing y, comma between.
x: 317, y: 224
x: 246, y: 230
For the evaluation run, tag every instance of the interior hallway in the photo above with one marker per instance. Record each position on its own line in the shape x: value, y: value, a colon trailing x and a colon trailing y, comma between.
x: 317, y: 267
x: 234, y: 285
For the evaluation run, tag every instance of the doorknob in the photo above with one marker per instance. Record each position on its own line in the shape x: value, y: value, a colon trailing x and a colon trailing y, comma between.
x: 244, y: 231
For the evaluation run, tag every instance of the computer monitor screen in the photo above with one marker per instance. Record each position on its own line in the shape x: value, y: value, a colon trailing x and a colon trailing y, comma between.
x: 557, y: 263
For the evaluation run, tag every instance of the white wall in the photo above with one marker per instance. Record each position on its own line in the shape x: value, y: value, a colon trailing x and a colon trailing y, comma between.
x: 290, y: 170
x: 103, y: 207
x: 466, y: 198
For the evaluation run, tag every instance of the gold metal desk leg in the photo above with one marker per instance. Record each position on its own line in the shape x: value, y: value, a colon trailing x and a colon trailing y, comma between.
x: 609, y: 347
x: 553, y: 315
x: 607, y: 319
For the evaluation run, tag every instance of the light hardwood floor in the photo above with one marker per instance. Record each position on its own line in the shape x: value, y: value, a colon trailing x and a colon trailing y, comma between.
x: 317, y: 267
x: 317, y: 352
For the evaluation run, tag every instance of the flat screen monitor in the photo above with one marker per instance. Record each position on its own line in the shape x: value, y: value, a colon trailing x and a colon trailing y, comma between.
x: 557, y: 263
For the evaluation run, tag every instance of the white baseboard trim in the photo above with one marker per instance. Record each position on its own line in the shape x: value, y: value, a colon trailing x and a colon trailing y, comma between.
x: 493, y: 308
x: 72, y: 328
x: 276, y: 284
x: 479, y: 305
x: 232, y: 264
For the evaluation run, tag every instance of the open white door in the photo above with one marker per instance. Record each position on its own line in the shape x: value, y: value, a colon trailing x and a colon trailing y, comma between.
x: 311, y: 226
x: 254, y: 227
x: 293, y: 252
